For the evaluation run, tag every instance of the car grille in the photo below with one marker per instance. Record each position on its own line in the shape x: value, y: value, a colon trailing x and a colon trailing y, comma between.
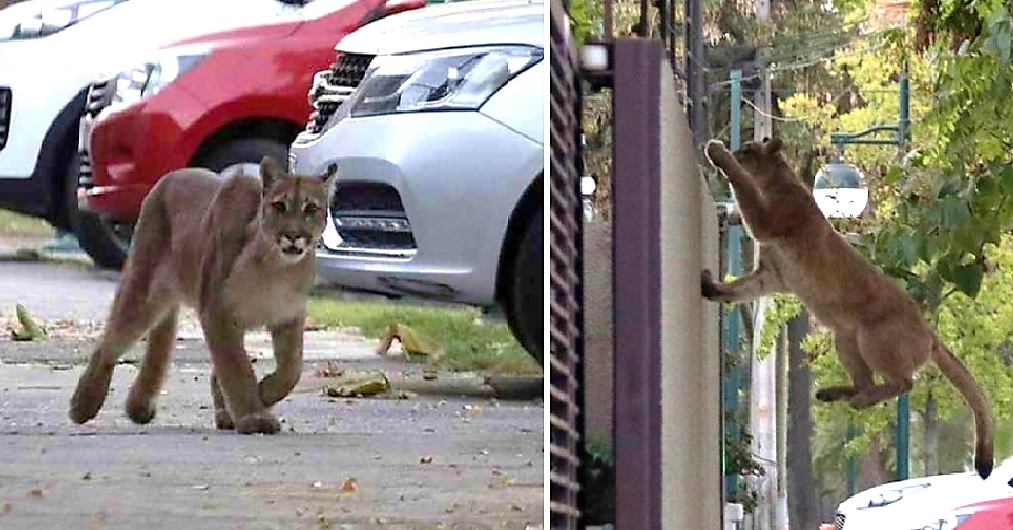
x: 839, y: 521
x: 5, y: 115
x: 100, y: 96
x: 370, y: 217
x: 333, y: 86
x: 350, y: 68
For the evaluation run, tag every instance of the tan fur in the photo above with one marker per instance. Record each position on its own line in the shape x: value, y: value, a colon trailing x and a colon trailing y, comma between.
x: 215, y: 244
x: 878, y: 328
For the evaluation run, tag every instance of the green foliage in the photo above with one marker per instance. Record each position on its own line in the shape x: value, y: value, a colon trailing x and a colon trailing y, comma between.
x: 585, y: 19
x: 739, y: 461
x: 783, y: 308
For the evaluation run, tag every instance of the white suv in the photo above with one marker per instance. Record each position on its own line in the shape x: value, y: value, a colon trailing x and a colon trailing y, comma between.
x: 51, y: 50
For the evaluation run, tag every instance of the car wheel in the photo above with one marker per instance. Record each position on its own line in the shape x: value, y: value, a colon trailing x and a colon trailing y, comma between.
x: 526, y: 288
x: 242, y: 154
x: 106, y: 242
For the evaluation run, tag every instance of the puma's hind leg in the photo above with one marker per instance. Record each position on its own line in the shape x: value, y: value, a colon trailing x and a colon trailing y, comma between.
x: 127, y: 323
x: 154, y: 366
x: 851, y: 359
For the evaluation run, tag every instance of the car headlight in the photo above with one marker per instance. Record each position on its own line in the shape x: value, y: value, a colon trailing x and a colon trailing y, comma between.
x: 149, y: 77
x: 455, y: 79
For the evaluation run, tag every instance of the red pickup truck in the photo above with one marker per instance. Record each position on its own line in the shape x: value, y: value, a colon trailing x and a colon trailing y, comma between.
x: 220, y: 101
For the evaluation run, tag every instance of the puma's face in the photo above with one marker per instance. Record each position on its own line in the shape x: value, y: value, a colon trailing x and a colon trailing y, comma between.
x: 294, y: 209
x: 765, y: 162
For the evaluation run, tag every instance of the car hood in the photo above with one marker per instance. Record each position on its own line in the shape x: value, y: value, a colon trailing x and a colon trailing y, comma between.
x: 472, y: 23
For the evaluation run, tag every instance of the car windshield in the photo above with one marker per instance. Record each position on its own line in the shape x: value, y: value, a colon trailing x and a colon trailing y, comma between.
x: 39, y: 18
x: 838, y: 176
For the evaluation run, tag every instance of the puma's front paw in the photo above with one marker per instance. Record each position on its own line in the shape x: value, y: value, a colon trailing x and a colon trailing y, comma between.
x: 263, y: 422
x: 708, y: 288
x: 223, y: 420
x: 716, y: 152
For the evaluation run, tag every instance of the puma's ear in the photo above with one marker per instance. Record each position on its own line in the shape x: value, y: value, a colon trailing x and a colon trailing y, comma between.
x: 772, y: 146
x: 330, y: 173
x: 270, y: 170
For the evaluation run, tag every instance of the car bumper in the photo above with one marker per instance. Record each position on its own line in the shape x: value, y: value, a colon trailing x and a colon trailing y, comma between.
x: 123, y: 151
x: 457, y: 177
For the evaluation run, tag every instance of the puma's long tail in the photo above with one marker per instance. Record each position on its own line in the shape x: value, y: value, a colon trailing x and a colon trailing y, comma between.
x: 984, y: 422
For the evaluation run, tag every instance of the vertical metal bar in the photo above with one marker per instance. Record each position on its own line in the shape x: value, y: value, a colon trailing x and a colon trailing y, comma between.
x: 903, y: 435
x: 731, y: 327
x: 903, y: 402
x: 851, y: 466
x: 645, y: 29
x: 609, y: 16
x: 637, y: 274
x: 695, y: 69
x: 736, y: 106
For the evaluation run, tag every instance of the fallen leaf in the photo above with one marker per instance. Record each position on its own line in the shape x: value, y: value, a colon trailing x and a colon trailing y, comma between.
x: 430, y: 375
x: 349, y: 485
x: 516, y: 507
x: 201, y: 487
x: 27, y: 328
x: 87, y: 475
x: 8, y: 508
x: 35, y: 493
x: 426, y: 460
x: 318, y: 484
x: 415, y: 344
x: 369, y: 387
x: 312, y: 324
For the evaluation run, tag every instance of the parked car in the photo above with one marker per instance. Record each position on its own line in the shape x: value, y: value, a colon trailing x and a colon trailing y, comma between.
x: 993, y: 514
x: 896, y: 505
x: 50, y: 50
x: 220, y: 100
x: 840, y: 190
x: 435, y: 119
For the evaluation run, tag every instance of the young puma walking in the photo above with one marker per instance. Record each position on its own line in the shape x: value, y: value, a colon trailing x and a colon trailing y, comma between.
x: 238, y: 249
x: 877, y: 326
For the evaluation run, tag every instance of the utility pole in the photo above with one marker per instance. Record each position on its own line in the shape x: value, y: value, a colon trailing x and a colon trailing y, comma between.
x: 773, y: 509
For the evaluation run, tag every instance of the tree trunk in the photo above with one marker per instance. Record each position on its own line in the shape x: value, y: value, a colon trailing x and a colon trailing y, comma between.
x: 872, y: 466
x: 933, y: 427
x: 803, y: 511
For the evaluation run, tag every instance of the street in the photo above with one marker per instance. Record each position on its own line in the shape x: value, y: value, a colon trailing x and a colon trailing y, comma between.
x: 429, y: 461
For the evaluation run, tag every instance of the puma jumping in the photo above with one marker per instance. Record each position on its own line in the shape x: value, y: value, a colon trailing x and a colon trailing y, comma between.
x: 877, y: 327
x: 241, y: 251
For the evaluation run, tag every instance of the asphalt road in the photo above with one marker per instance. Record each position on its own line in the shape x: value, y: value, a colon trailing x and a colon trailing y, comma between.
x: 423, y: 462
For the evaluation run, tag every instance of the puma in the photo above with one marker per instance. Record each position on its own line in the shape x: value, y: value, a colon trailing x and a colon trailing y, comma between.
x: 877, y: 327
x: 240, y: 250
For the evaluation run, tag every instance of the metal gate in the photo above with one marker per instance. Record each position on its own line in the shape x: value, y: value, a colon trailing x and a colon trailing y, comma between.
x: 565, y: 271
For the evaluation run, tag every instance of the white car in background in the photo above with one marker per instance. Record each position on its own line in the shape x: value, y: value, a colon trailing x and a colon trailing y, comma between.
x: 840, y: 190
x: 51, y: 50
x: 906, y: 504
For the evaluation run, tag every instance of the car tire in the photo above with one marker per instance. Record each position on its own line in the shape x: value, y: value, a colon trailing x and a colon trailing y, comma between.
x: 246, y: 151
x: 526, y: 288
